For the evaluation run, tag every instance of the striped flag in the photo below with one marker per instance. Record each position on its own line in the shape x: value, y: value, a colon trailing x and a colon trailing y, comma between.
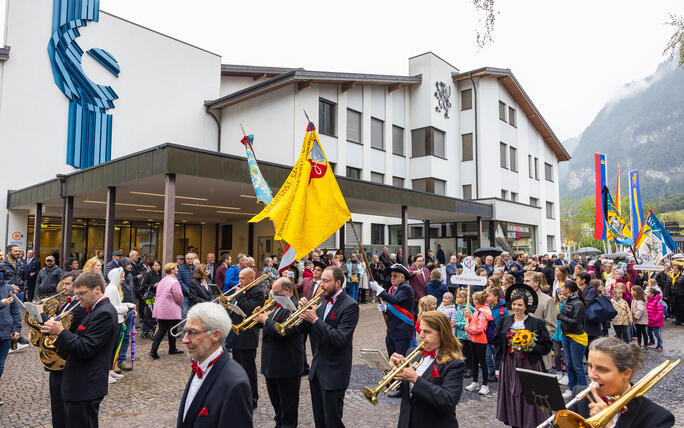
x: 599, y: 217
x: 618, y: 200
x: 635, y: 210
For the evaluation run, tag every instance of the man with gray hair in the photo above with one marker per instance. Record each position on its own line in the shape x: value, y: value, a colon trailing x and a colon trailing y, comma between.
x: 218, y: 391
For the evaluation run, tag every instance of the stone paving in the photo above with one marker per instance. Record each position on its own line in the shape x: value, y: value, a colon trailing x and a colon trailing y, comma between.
x: 149, y: 395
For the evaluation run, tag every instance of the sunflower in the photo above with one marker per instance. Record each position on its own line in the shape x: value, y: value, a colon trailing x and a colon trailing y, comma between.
x: 525, y: 337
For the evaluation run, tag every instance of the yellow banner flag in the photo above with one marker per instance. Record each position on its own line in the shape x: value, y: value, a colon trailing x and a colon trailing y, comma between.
x: 309, y: 206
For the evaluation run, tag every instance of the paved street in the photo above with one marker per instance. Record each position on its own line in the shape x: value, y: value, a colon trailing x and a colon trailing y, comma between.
x: 149, y: 395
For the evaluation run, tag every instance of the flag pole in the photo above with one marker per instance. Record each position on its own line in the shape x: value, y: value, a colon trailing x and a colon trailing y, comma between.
x: 365, y: 261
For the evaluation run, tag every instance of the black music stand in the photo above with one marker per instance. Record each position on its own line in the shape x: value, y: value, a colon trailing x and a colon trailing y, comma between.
x: 541, y: 390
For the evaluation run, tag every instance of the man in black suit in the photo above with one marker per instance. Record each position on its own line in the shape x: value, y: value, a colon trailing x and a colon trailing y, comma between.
x: 32, y: 269
x: 282, y: 359
x: 85, y: 376
x: 218, y: 392
x: 331, y: 328
x: 245, y: 344
x: 78, y: 312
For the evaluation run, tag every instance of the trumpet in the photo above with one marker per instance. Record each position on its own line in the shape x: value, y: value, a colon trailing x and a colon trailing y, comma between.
x: 388, y: 383
x: 293, y: 320
x: 570, y: 419
x: 224, y: 300
x: 249, y: 322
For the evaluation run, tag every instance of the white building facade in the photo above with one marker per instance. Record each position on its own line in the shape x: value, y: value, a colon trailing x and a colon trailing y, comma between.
x: 474, y: 138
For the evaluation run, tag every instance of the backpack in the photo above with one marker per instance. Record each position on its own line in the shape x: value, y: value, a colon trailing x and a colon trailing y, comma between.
x: 600, y: 310
x: 491, y: 325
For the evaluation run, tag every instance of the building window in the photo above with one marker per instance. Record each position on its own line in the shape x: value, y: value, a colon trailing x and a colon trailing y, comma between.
x: 397, y: 182
x: 502, y: 111
x: 530, y: 166
x: 430, y: 185
x: 549, y: 210
x: 377, y: 134
x: 534, y: 201
x: 511, y: 116
x: 514, y: 197
x: 354, y: 173
x: 376, y: 177
x: 353, y: 126
x: 416, y: 232
x: 466, y: 99
x: 397, y: 140
x: 326, y: 117
x: 504, y: 194
x: 377, y: 234
x: 428, y: 142
x: 466, y: 147
x: 349, y: 237
x: 513, y: 159
x: 468, y: 191
x: 536, y: 169
x: 503, y: 153
x: 548, y: 171
x: 550, y: 243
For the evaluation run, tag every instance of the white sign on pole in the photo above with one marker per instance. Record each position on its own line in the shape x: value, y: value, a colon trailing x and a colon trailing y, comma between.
x: 468, y: 276
x: 647, y: 264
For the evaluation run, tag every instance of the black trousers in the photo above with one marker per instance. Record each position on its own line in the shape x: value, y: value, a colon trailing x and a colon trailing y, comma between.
x: 247, y: 359
x: 676, y: 303
x: 284, y: 395
x: 164, y: 328
x: 82, y: 414
x: 479, y: 359
x: 400, y: 346
x: 327, y: 406
x: 641, y: 334
x: 56, y: 402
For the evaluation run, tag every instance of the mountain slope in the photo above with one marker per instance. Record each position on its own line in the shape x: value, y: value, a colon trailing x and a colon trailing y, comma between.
x: 642, y: 130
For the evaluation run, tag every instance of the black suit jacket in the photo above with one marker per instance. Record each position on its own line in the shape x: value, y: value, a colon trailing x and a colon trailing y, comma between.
x: 281, y: 356
x: 32, y: 268
x: 225, y: 394
x: 197, y: 293
x: 642, y: 412
x: 542, y: 345
x: 434, y: 397
x: 331, y: 343
x: 402, y: 297
x: 89, y: 354
x: 247, y: 339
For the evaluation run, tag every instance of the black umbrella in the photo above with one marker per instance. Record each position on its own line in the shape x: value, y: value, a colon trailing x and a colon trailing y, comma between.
x: 588, y: 251
x: 618, y: 255
x: 488, y: 251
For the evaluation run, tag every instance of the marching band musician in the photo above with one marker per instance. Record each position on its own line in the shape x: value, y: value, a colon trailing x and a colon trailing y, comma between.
x: 282, y: 359
x: 308, y: 288
x: 331, y: 328
x: 611, y: 364
x: 245, y: 344
x: 430, y: 392
x: 85, y: 375
x: 55, y: 381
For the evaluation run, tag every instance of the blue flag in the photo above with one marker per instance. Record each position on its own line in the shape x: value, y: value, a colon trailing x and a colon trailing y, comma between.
x: 636, y: 212
x: 617, y: 230
x: 658, y: 230
x: 261, y: 189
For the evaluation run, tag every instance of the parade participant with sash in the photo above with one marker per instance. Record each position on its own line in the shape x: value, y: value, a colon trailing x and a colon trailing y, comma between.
x: 399, y: 305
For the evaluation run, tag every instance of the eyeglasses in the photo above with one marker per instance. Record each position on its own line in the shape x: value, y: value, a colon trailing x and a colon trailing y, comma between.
x: 192, y: 333
x: 80, y: 294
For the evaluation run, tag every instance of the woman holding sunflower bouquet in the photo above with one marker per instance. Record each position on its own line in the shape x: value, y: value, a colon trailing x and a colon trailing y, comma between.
x: 520, y: 340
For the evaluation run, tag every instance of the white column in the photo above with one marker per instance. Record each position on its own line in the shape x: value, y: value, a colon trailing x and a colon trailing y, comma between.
x: 342, y: 102
x: 388, y: 137
x: 408, y: 146
x: 366, y: 133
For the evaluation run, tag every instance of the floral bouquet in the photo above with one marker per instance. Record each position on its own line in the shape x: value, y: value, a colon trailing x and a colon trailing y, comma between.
x: 523, y: 340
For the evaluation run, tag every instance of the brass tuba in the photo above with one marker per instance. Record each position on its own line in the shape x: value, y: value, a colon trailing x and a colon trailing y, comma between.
x: 385, y: 386
x: 570, y: 419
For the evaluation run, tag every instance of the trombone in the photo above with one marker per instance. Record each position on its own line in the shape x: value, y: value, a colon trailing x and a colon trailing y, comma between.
x: 293, y: 320
x: 385, y: 386
x: 224, y: 300
x: 570, y: 419
x: 249, y: 322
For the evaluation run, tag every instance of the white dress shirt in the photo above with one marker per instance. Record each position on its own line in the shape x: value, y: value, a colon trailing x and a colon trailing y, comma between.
x: 427, y: 361
x: 196, y: 383
x: 316, y: 285
x: 328, y: 305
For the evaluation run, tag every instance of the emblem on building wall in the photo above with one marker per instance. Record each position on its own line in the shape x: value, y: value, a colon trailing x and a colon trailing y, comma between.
x: 89, y: 136
x: 442, y: 93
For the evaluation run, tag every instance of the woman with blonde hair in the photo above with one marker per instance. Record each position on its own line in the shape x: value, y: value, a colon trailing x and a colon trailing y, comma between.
x: 167, y: 309
x: 93, y: 264
x: 430, y: 392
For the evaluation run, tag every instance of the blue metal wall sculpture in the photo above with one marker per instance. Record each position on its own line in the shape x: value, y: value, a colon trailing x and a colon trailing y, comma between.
x: 90, y: 127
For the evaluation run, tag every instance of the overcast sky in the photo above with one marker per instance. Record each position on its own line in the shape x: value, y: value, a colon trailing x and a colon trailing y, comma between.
x: 570, y: 56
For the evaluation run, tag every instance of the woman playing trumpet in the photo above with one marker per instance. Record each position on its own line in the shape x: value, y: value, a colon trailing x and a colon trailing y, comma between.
x: 430, y: 392
x: 612, y: 364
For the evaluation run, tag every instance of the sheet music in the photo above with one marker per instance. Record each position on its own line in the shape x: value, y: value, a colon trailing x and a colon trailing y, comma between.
x: 375, y: 359
x: 285, y: 302
x: 33, y: 312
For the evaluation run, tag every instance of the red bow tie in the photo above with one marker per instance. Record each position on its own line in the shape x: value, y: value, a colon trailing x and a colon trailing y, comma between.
x: 198, y: 371
x: 611, y: 400
x: 331, y: 301
x: 278, y: 306
x: 68, y: 299
x: 430, y: 354
x: 89, y: 310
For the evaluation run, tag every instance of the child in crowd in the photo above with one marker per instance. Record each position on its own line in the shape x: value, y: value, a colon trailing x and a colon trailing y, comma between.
x: 498, y: 307
x: 557, y: 340
x: 623, y: 319
x: 656, y: 316
x: 493, y: 282
x: 507, y: 281
x: 463, y: 313
x: 426, y: 303
x: 640, y: 316
x: 436, y: 287
x: 449, y: 309
x: 476, y: 328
